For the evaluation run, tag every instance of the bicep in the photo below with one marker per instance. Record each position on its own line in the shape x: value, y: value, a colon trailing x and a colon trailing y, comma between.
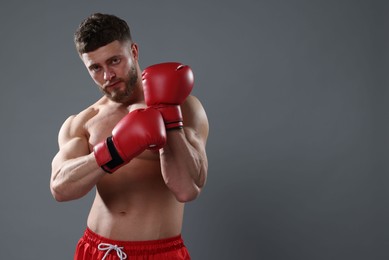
x: 195, y: 121
x: 196, y: 130
x: 72, y: 144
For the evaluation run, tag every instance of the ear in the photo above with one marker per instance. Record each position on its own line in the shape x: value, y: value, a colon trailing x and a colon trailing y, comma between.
x: 134, y: 51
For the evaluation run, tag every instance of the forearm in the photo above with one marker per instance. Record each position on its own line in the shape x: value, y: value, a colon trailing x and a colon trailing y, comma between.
x: 75, y: 178
x: 183, y: 166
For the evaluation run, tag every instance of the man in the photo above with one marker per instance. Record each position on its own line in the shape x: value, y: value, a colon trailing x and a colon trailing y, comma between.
x: 142, y: 145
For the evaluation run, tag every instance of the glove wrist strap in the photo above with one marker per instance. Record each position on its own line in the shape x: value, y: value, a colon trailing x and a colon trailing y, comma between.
x: 172, y: 116
x: 107, y: 157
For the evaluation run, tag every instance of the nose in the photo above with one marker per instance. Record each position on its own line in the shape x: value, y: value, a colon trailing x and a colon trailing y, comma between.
x: 109, y: 74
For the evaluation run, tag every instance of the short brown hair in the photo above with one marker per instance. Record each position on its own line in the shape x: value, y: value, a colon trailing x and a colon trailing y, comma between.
x: 98, y: 30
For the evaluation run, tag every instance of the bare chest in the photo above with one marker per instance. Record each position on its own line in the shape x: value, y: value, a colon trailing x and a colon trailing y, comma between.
x: 99, y: 127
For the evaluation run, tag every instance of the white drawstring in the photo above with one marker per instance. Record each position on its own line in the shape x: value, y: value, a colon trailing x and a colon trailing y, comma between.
x: 109, y: 248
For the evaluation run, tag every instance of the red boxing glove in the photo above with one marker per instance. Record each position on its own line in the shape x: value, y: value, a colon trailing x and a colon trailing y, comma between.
x: 166, y: 86
x: 139, y: 130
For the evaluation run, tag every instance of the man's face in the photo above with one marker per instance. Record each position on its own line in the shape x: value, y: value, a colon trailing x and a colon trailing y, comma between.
x: 113, y: 68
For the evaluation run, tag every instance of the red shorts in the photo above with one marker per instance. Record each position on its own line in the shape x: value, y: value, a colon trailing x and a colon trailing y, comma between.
x: 95, y: 247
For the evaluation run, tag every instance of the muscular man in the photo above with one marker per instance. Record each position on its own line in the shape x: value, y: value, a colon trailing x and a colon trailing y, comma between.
x: 142, y: 145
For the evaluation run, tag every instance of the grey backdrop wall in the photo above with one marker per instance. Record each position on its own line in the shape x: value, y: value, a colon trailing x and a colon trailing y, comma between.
x: 296, y: 94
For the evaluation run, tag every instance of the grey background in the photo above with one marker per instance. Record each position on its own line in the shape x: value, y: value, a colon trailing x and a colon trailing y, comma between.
x: 296, y: 94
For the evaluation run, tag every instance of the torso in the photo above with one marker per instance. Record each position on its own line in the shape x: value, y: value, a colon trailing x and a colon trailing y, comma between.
x: 132, y: 204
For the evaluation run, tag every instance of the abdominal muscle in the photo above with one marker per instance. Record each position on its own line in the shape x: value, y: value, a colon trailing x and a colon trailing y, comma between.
x: 134, y: 204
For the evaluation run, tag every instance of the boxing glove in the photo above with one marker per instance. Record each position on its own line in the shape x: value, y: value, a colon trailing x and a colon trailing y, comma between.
x: 166, y: 86
x: 139, y: 130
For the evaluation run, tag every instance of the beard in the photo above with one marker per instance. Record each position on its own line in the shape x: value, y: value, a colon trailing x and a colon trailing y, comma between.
x: 123, y: 95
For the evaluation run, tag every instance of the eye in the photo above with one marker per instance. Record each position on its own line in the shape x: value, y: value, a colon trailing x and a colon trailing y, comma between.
x: 115, y: 61
x: 95, y: 68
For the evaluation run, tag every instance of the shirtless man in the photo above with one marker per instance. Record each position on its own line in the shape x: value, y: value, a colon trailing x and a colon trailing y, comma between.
x: 142, y: 145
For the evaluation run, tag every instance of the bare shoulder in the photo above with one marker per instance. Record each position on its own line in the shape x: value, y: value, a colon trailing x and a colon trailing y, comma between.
x: 74, y: 125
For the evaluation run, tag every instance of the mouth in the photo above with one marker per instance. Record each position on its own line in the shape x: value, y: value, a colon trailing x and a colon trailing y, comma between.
x: 112, y: 85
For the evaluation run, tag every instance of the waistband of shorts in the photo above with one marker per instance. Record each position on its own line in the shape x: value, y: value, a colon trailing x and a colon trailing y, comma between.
x: 137, y: 247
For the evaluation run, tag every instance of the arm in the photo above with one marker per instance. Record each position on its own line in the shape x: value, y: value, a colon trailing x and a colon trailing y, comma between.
x: 184, y: 161
x: 74, y: 169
